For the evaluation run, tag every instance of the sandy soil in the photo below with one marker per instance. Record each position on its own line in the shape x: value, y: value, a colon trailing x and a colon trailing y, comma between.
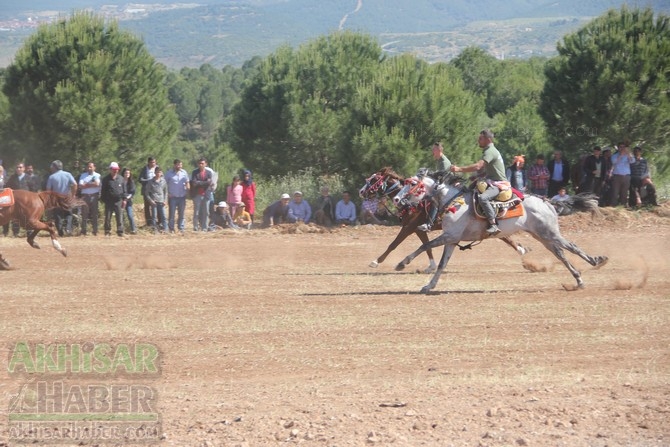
x: 286, y: 336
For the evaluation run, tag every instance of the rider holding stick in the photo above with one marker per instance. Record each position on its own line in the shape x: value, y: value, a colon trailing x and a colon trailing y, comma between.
x: 493, y: 167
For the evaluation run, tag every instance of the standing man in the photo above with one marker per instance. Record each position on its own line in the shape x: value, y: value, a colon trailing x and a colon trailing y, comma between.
x: 89, y: 185
x: 201, y: 189
x: 112, y: 194
x: 61, y: 182
x: 33, y: 180
x: 18, y: 180
x: 539, y: 177
x: 621, y: 161
x: 442, y: 164
x: 178, y: 186
x: 638, y: 171
x: 594, y: 172
x: 147, y: 173
x: 494, y: 171
x: 559, y: 173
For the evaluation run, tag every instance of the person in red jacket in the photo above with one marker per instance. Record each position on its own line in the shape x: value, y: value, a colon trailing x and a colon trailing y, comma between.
x: 249, y: 193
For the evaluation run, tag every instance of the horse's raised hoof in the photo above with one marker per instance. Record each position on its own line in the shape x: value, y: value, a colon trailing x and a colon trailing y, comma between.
x: 63, y: 252
x: 400, y: 267
x: 35, y: 245
x: 601, y: 261
x: 373, y: 264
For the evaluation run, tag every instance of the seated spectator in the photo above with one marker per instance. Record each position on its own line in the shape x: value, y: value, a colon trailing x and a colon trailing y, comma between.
x: 563, y: 209
x: 222, y: 218
x: 648, y: 193
x: 345, y: 210
x: 242, y: 218
x: 325, y: 211
x: 298, y: 209
x: 277, y: 212
x: 561, y: 196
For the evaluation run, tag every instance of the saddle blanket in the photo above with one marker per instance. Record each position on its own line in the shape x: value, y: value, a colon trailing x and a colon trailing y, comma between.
x: 6, y: 197
x: 504, y: 210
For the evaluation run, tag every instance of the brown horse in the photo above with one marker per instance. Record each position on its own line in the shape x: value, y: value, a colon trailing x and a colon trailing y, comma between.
x: 386, y: 182
x: 28, y: 209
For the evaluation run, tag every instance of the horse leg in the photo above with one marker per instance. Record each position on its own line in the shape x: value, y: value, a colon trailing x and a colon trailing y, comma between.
x: 36, y: 226
x: 405, y: 231
x: 423, y: 236
x: 516, y: 246
x: 437, y: 242
x: 4, y: 264
x: 31, y: 238
x: 446, y: 255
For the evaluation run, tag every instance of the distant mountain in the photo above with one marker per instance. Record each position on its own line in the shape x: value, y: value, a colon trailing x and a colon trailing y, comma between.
x: 232, y: 32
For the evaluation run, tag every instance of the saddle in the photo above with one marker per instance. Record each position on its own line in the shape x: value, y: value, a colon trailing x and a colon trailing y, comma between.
x: 504, y: 209
x: 6, y: 197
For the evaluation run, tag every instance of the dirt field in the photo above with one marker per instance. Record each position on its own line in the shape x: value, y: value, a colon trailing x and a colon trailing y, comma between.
x: 282, y: 337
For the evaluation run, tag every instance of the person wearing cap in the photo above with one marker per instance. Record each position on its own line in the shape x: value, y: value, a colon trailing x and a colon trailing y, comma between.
x: 494, y: 171
x: 222, y: 218
x: 113, y: 195
x: 242, y: 218
x: 516, y: 174
x: 299, y: 209
x: 277, y: 212
x: 156, y: 195
x: 61, y: 182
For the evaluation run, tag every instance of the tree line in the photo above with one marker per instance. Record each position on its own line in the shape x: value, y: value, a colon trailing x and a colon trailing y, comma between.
x: 82, y: 89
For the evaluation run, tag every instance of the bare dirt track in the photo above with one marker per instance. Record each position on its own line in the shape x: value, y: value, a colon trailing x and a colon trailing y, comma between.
x: 283, y: 337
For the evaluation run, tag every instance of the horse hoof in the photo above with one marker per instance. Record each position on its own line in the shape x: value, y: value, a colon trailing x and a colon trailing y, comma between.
x: 64, y: 252
x: 601, y: 261
x: 373, y: 264
x: 4, y: 265
x: 430, y: 269
x: 425, y: 290
x: 35, y: 245
x: 400, y: 267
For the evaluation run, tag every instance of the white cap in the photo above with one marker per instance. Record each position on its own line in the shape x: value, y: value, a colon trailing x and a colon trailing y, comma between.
x: 113, y: 165
x: 222, y: 205
x: 285, y: 196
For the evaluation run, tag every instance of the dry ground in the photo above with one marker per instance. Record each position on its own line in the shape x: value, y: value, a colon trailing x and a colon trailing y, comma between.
x: 278, y: 337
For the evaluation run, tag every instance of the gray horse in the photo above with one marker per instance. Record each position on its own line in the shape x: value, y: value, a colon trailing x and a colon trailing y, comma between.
x: 460, y: 224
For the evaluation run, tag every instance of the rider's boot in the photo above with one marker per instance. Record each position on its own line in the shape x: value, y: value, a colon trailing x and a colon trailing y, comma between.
x: 431, y: 219
x: 493, y: 229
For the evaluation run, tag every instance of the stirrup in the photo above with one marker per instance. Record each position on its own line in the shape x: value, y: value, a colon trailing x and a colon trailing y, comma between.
x: 424, y: 227
x: 493, y: 230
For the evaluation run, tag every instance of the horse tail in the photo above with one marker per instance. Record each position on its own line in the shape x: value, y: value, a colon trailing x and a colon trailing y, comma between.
x: 586, y: 202
x: 65, y: 202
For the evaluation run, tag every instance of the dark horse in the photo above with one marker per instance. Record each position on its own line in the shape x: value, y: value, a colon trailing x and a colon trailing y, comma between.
x: 28, y: 209
x: 386, y: 182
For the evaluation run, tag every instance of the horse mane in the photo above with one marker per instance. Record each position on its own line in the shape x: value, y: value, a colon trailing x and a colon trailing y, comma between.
x: 54, y: 200
x: 388, y: 171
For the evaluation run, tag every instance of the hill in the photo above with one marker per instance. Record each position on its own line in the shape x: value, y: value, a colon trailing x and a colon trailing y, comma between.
x: 232, y: 32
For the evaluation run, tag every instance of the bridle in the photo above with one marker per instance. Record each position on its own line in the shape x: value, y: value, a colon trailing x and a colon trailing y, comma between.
x: 379, y: 184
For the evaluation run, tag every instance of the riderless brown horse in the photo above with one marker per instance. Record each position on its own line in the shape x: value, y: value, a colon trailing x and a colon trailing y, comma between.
x: 28, y: 209
x: 386, y: 182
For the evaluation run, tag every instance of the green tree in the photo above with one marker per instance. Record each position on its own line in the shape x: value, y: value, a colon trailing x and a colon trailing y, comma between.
x: 80, y: 89
x: 295, y: 112
x: 611, y: 82
x: 521, y: 130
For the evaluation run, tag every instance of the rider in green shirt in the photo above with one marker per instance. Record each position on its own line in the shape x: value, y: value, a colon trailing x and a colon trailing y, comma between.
x: 494, y: 170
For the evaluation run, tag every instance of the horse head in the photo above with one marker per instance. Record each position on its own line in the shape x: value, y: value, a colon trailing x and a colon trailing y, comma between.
x: 381, y: 183
x: 413, y: 191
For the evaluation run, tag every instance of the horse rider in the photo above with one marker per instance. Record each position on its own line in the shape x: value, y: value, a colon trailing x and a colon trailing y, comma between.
x: 494, y: 171
x: 442, y: 165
